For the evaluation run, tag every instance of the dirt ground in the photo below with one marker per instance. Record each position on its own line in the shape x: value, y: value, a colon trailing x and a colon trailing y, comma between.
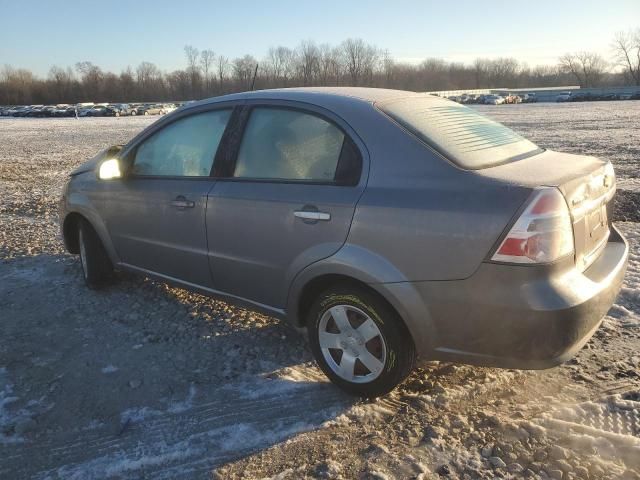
x: 142, y: 380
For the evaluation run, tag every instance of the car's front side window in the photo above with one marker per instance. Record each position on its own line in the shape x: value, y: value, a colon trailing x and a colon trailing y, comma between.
x: 184, y: 148
x: 289, y: 144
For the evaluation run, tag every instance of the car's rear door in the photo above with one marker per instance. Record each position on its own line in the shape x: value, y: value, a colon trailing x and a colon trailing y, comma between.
x: 156, y: 214
x: 285, y: 198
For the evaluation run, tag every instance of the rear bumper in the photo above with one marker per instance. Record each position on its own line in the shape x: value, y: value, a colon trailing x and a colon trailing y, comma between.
x: 520, y: 317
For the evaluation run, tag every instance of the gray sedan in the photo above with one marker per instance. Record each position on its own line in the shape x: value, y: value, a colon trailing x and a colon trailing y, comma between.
x: 393, y: 226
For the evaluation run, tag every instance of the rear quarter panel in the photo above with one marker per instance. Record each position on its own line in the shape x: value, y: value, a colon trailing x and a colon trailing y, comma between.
x: 424, y: 215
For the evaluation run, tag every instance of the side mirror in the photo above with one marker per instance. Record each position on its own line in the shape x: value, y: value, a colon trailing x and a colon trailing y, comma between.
x: 109, y: 169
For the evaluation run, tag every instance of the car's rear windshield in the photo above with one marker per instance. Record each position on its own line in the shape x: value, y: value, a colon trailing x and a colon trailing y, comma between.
x: 467, y: 138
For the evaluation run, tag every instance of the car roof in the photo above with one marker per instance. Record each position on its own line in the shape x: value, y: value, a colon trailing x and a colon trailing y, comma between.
x: 320, y: 96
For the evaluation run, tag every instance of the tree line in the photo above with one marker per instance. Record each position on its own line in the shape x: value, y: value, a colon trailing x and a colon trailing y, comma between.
x: 353, y: 62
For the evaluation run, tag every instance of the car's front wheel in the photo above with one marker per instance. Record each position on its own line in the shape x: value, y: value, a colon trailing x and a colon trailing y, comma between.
x: 97, y: 268
x: 359, y: 341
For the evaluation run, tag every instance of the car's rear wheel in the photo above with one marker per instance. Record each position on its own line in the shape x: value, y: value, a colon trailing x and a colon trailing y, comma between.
x: 359, y: 341
x: 146, y: 113
x: 97, y: 268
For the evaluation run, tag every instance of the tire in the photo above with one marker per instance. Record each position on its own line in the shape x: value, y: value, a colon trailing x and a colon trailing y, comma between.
x: 146, y: 113
x: 97, y: 269
x: 373, y: 331
x: 133, y: 113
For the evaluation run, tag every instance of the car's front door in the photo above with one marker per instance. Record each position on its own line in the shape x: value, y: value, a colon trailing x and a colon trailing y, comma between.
x: 286, y: 201
x: 156, y: 214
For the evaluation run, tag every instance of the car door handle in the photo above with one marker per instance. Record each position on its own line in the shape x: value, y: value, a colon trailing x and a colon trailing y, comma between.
x: 310, y: 215
x: 181, y: 202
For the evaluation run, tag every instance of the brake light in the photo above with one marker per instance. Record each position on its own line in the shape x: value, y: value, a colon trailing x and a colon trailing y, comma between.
x: 542, y: 234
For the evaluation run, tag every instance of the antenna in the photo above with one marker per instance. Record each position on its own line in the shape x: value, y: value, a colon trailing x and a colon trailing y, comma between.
x: 253, y: 82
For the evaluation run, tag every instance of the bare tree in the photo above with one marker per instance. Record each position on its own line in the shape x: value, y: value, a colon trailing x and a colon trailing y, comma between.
x: 192, y: 54
x: 360, y: 59
x: 354, y: 52
x: 503, y: 72
x: 280, y: 65
x: 127, y: 85
x: 148, y: 78
x: 91, y: 76
x: 307, y: 59
x: 626, y: 48
x: 223, y: 66
x: 243, y: 69
x: 388, y: 68
x: 587, y: 68
x: 61, y: 81
x: 179, y: 84
x: 16, y: 86
x: 207, y: 59
x: 434, y: 74
x: 480, y: 71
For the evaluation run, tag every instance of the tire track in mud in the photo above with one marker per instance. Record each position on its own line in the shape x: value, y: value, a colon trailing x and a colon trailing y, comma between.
x: 169, y: 445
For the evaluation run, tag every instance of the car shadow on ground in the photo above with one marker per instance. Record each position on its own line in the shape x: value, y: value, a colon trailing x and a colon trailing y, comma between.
x: 141, y: 378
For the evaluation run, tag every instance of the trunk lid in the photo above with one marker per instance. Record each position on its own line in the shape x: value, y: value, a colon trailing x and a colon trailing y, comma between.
x: 587, y: 184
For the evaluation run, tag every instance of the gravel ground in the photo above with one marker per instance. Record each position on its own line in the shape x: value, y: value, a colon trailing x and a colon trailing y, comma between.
x: 142, y: 380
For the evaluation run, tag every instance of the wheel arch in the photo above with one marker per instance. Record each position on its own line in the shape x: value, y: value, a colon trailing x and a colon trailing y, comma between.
x: 70, y: 231
x: 70, y: 227
x: 401, y: 296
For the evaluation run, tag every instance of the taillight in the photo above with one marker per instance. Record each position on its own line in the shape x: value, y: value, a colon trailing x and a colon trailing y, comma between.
x: 542, y: 234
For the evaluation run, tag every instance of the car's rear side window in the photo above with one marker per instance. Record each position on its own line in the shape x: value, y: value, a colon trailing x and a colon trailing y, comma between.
x: 286, y: 144
x: 463, y: 135
x: 184, y: 148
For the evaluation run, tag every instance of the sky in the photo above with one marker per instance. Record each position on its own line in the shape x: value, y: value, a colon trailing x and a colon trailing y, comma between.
x: 114, y: 34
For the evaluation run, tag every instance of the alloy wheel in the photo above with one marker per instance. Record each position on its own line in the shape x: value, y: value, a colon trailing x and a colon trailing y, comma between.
x: 352, y: 344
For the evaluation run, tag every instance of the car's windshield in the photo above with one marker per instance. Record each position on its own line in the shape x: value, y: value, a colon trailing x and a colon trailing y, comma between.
x: 467, y: 138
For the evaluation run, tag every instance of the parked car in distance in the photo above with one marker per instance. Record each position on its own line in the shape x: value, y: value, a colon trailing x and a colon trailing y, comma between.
x: 511, y: 99
x: 150, y: 110
x: 96, y: 111
x: 393, y: 226
x: 119, y: 109
x: 20, y: 111
x: 493, y: 100
x: 581, y: 97
x: 168, y: 108
x: 564, y: 97
x: 105, y: 111
x: 84, y: 110
x: 530, y: 98
x: 41, y: 111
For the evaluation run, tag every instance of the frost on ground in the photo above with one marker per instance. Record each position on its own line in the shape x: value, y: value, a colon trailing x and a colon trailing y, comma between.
x: 145, y: 380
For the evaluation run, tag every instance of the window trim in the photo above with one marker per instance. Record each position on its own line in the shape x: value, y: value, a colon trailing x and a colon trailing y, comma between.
x: 226, y: 168
x: 129, y: 155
